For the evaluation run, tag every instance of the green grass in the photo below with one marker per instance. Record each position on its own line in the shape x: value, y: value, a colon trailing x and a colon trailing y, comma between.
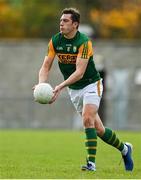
x: 59, y: 154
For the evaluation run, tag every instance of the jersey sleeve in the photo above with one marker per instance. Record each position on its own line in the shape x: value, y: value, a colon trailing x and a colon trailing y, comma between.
x: 51, y: 52
x: 85, y: 50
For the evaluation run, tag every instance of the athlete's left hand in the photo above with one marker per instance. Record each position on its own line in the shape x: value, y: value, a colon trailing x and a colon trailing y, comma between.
x: 56, y: 92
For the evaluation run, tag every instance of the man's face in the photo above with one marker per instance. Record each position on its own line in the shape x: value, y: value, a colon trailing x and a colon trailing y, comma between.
x: 66, y: 24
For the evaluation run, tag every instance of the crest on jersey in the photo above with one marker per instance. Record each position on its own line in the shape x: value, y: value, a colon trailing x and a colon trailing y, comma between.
x: 74, y: 49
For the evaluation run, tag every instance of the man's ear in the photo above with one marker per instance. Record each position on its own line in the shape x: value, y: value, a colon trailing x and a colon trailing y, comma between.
x: 76, y: 24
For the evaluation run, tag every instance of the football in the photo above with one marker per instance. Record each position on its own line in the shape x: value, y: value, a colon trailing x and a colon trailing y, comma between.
x: 43, y: 93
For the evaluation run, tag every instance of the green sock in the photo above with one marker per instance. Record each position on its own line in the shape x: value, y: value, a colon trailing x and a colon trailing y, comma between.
x: 110, y: 137
x: 91, y: 143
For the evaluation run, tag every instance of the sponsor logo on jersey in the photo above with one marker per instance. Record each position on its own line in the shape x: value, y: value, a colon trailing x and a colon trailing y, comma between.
x: 68, y: 44
x: 59, y: 48
x: 67, y: 58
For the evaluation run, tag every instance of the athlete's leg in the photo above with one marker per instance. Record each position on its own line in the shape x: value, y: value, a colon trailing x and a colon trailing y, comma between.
x: 89, y: 116
x: 91, y: 100
x: 110, y: 137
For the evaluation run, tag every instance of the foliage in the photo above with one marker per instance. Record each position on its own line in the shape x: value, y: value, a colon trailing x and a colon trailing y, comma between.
x: 39, y: 18
x: 28, y: 19
x: 118, y: 23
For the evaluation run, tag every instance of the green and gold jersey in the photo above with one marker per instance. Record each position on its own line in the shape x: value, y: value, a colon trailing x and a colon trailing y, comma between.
x: 67, y: 51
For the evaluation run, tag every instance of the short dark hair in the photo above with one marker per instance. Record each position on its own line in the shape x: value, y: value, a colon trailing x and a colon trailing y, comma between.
x: 75, y: 15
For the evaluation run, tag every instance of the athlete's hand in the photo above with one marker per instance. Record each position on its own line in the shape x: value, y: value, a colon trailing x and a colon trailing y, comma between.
x: 56, y: 92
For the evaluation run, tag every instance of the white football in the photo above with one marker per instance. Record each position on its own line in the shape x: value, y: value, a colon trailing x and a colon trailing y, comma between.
x: 43, y: 93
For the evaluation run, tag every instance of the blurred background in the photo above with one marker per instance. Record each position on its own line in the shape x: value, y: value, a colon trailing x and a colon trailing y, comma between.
x: 25, y: 28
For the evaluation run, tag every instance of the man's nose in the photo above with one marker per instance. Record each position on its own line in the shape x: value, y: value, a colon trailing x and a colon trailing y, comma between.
x: 61, y: 23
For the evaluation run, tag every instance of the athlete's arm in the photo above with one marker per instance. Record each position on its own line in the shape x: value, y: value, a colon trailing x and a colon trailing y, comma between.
x: 81, y: 65
x: 46, y: 66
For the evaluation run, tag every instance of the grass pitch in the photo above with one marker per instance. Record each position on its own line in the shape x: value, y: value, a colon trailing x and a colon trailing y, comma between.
x: 59, y: 155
